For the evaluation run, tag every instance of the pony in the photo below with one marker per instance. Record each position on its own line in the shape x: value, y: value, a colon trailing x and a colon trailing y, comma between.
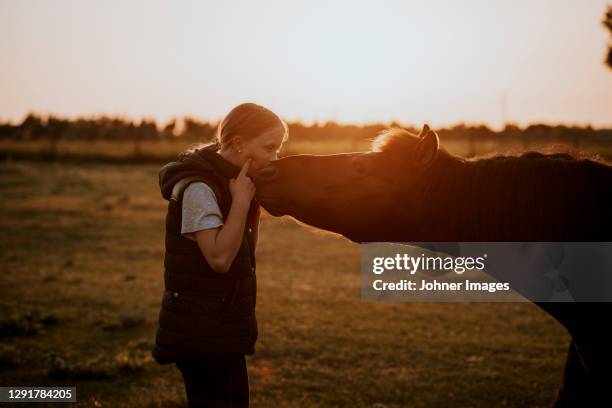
x: 408, y: 188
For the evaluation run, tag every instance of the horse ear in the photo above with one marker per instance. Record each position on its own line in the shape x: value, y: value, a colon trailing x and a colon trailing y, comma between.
x: 427, y: 148
x: 424, y: 130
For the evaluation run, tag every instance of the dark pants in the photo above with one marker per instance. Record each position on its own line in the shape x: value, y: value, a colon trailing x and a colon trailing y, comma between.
x: 216, y: 381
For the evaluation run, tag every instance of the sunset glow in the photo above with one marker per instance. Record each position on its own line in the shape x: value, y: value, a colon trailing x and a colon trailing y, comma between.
x: 438, y: 61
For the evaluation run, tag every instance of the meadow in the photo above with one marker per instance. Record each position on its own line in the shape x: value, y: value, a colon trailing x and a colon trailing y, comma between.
x: 82, y: 280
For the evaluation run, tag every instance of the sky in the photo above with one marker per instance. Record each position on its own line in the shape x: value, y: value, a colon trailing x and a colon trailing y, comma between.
x: 438, y: 61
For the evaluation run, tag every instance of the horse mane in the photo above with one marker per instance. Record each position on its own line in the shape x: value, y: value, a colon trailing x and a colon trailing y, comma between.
x: 555, y: 152
x: 392, y: 139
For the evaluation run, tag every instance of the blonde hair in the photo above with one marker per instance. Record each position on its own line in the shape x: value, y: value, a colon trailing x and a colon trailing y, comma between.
x: 248, y: 120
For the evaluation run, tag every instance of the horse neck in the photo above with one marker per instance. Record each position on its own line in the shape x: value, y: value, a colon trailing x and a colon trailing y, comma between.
x: 488, y: 200
x: 510, y: 199
x: 433, y: 200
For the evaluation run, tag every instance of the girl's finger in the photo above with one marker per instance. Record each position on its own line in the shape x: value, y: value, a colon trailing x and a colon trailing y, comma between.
x: 245, y: 168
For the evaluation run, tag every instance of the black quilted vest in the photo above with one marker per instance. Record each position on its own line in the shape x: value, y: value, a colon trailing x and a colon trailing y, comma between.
x: 203, y: 311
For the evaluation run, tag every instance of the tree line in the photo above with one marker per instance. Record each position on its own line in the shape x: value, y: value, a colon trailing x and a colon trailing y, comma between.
x: 36, y: 127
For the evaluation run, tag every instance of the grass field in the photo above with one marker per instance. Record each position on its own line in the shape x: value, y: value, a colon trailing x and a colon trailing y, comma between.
x: 82, y: 279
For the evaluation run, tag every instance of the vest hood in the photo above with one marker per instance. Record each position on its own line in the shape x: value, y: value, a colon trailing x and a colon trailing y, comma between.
x: 203, y: 160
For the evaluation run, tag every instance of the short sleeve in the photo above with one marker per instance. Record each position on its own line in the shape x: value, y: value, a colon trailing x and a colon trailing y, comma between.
x: 200, y: 209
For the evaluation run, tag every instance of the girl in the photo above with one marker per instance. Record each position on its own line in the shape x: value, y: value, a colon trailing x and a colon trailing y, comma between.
x: 207, y: 320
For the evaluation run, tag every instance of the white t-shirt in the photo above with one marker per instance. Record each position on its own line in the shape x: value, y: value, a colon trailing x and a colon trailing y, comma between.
x: 200, y: 210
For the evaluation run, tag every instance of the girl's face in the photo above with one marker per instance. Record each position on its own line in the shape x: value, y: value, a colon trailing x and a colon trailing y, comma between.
x: 262, y: 149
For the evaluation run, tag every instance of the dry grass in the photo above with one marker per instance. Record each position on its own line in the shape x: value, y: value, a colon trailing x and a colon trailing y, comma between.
x: 82, y: 256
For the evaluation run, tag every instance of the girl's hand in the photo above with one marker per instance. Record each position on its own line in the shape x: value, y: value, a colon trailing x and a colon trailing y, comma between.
x: 241, y: 187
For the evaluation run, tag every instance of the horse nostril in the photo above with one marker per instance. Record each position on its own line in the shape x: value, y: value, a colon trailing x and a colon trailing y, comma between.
x: 267, y: 173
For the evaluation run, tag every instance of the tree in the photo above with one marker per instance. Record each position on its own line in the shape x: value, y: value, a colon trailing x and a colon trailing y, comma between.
x: 607, y: 22
x: 32, y: 127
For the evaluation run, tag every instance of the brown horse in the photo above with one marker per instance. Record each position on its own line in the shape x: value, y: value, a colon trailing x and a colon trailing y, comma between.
x: 409, y: 189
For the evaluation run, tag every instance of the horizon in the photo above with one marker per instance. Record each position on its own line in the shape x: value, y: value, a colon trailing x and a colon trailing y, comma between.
x: 482, y: 63
x: 178, y: 119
